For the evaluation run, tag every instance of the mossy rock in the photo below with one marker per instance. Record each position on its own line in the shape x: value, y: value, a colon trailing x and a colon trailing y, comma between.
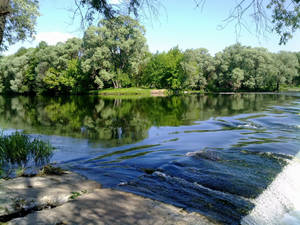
x: 51, y: 170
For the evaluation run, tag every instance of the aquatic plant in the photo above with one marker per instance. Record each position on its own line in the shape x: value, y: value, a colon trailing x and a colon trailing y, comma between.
x: 18, y: 150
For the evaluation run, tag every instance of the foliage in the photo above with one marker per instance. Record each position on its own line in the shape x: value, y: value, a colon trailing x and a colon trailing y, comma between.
x: 17, y: 21
x: 113, y: 51
x: 284, y: 15
x: 75, y: 194
x: 18, y: 17
x: 114, y: 54
x: 199, y: 68
x: 258, y: 69
x: 18, y: 149
x: 164, y: 70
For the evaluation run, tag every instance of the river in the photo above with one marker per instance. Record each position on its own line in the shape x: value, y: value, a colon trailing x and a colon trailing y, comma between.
x: 231, y: 157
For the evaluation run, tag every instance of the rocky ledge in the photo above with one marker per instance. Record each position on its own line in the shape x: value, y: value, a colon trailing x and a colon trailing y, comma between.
x: 72, y: 199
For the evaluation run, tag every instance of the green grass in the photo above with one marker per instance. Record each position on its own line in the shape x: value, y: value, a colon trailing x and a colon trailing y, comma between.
x: 75, y: 194
x: 123, y: 91
x: 295, y: 88
x: 144, y: 92
x: 18, y: 149
x: 194, y: 91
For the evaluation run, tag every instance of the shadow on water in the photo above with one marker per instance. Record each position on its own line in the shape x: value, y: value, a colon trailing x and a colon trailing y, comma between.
x: 212, y: 154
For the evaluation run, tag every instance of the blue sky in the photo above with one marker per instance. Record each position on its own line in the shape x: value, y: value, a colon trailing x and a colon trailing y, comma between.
x: 179, y: 23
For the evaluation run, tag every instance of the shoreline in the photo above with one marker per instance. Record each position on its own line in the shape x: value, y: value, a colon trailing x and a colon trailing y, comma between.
x: 146, y: 92
x: 73, y: 199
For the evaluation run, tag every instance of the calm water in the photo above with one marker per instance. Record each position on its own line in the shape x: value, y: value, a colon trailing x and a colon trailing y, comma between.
x: 230, y: 157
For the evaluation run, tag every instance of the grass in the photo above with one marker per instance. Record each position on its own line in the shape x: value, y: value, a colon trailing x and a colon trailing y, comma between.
x: 75, y: 194
x: 145, y: 92
x: 123, y: 91
x: 295, y: 88
x: 194, y: 91
x: 18, y: 149
x: 124, y: 97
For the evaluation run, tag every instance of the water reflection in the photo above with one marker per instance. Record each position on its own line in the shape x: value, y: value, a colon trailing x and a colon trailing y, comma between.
x: 115, y: 122
x: 208, y: 153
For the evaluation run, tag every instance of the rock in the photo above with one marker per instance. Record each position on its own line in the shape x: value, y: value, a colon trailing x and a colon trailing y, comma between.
x: 105, y: 206
x: 76, y: 200
x: 32, y: 193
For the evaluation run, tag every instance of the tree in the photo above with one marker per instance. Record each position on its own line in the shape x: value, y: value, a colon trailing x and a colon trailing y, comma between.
x: 164, y: 70
x: 236, y: 78
x: 18, y: 17
x: 113, y: 51
x: 251, y: 69
x: 199, y: 68
x: 284, y: 15
x: 51, y: 69
x: 286, y: 64
x: 297, y: 78
x: 17, y: 21
x: 57, y: 69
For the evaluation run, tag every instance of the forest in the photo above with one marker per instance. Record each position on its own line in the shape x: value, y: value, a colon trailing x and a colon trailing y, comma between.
x: 114, y: 54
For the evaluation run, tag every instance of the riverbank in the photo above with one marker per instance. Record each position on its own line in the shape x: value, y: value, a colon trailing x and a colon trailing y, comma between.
x: 72, y: 199
x: 130, y: 91
x: 290, y: 89
x: 164, y: 92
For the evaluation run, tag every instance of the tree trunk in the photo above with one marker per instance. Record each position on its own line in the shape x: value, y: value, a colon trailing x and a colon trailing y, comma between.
x: 277, y: 85
x: 4, y: 11
x: 115, y: 84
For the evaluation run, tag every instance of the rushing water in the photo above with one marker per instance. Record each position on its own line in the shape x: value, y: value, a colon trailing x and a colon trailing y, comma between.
x: 232, y: 158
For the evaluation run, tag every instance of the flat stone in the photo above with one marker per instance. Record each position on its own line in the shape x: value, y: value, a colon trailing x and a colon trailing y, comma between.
x: 90, y: 204
x: 27, y: 193
x: 106, y: 206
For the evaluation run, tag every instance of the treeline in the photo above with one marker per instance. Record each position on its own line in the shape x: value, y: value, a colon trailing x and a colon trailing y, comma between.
x: 115, y: 54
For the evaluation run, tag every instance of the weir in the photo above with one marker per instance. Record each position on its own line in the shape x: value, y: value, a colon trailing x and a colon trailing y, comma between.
x: 279, y: 204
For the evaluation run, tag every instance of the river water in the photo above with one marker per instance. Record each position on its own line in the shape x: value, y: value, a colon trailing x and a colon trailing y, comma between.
x: 233, y: 158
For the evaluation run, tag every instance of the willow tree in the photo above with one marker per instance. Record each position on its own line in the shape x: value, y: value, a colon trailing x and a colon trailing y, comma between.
x: 113, y: 51
x: 18, y: 17
x: 282, y: 16
x: 17, y: 21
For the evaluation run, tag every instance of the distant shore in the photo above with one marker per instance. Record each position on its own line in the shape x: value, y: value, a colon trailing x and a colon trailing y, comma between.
x: 145, y: 92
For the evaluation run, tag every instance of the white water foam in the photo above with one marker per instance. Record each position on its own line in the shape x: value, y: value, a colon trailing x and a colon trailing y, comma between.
x: 279, y: 204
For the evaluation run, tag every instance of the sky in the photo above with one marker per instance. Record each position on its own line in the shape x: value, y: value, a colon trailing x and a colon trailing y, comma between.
x: 179, y: 23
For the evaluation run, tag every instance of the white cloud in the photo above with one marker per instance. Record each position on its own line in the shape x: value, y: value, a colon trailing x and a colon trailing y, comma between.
x: 52, y: 37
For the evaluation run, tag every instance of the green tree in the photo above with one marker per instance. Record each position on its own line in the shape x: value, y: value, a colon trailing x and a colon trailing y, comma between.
x: 257, y: 64
x: 236, y: 78
x: 113, y: 51
x: 18, y: 17
x: 297, y: 78
x: 199, y: 68
x: 13, y: 72
x: 284, y: 15
x: 165, y: 70
x: 43, y: 69
x: 17, y: 21
x: 286, y: 64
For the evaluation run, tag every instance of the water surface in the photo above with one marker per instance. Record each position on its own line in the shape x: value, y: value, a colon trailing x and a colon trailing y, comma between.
x: 214, y: 154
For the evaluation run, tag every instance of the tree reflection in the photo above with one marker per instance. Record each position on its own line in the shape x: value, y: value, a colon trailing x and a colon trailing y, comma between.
x: 115, y: 122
